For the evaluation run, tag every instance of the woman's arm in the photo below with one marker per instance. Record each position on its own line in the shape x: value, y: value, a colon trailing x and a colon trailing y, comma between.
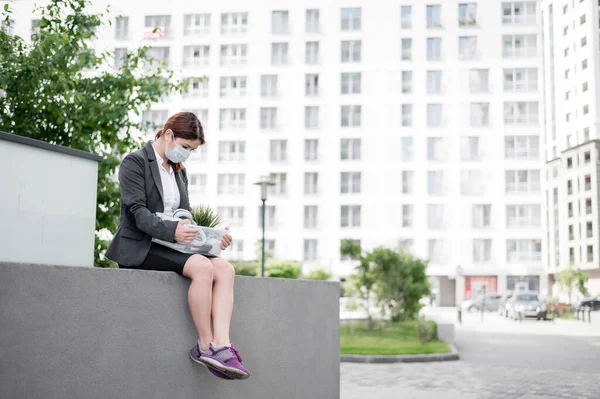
x: 133, y: 195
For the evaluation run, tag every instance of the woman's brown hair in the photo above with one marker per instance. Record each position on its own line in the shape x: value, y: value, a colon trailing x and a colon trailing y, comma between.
x: 185, y: 125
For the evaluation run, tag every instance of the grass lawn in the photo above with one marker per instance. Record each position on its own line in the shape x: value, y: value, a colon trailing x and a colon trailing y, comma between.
x: 386, y: 338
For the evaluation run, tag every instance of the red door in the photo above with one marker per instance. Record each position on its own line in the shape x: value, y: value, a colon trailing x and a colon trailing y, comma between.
x: 474, y: 285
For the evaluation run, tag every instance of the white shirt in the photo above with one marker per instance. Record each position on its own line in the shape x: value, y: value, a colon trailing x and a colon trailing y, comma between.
x: 170, y: 190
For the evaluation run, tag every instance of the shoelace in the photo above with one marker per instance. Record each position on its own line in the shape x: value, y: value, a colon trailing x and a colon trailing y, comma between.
x: 236, y: 353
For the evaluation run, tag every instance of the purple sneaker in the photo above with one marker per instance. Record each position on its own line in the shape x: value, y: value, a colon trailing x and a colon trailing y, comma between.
x: 226, y: 360
x: 195, y: 356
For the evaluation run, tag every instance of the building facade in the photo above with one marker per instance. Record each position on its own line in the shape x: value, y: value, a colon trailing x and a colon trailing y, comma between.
x: 572, y: 137
x: 398, y: 124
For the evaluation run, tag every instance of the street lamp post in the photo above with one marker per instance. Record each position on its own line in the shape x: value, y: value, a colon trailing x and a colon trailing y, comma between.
x: 264, y: 183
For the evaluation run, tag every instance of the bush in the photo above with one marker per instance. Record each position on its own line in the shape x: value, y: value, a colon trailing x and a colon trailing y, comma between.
x: 318, y: 274
x: 246, y: 268
x: 282, y: 269
x: 427, y: 330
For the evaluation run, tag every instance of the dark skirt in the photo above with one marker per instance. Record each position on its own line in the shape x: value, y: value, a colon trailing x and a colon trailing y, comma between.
x: 164, y: 259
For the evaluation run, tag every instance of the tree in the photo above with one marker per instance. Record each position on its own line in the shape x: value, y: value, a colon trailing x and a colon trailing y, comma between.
x: 59, y: 90
x: 573, y: 278
x: 317, y: 274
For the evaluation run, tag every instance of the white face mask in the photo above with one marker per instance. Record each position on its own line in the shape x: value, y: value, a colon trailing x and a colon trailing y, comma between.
x: 178, y: 153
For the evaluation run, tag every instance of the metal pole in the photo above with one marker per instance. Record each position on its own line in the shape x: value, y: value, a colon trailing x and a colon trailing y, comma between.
x: 262, y: 273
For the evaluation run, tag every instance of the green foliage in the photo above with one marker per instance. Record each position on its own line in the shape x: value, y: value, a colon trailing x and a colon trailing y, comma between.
x: 246, y: 268
x: 571, y: 279
x: 427, y: 330
x: 361, y: 283
x: 205, y: 216
x: 318, y: 274
x: 282, y: 269
x: 59, y: 90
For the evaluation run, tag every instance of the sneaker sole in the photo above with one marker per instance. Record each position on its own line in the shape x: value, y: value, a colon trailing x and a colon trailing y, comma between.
x: 232, y: 372
x: 204, y: 365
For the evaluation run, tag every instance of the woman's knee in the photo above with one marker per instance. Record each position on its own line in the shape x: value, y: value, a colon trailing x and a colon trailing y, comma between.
x: 223, y: 269
x: 198, y: 267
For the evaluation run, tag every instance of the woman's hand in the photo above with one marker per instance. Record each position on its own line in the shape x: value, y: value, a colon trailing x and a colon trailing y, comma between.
x: 185, y: 234
x: 226, y: 241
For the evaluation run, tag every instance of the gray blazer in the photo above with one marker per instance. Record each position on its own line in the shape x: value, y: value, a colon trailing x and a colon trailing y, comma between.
x: 141, y: 198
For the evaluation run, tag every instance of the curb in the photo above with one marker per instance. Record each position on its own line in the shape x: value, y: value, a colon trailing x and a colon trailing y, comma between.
x: 432, y: 357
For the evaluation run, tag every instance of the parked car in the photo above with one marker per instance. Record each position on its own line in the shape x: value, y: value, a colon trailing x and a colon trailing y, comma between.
x: 526, y: 304
x: 488, y: 302
x: 503, y: 303
x: 591, y: 302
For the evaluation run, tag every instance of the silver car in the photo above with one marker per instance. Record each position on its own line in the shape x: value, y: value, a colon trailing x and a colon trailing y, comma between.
x: 526, y: 304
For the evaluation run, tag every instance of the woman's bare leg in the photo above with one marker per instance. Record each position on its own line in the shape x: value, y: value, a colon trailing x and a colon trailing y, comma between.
x: 222, y: 299
x: 199, y: 269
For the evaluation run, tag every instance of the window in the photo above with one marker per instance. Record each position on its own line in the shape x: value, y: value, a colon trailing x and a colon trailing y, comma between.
x: 588, y: 182
x: 584, y: 41
x: 590, y: 253
x: 436, y: 251
x: 311, y: 216
x: 434, y: 115
x: 157, y: 55
x: 569, y: 163
x: 270, y: 221
x: 233, y: 86
x: 350, y: 149
x: 519, y: 13
x: 157, y: 26
x: 232, y: 150
x: 230, y: 183
x: 120, y: 54
x: 522, y: 181
x: 482, y: 216
x: 519, y: 46
x: 434, y: 49
x: 566, y: 30
x: 582, y: 19
x: 520, y: 79
x: 234, y: 54
x: 523, y: 216
x: 587, y: 157
x: 436, y: 216
x: 351, y: 19
x: 407, y: 115
x: 521, y: 147
x: 521, y: 113
x: 406, y: 49
x: 584, y: 64
x: 588, y: 206
x: 268, y: 118
x: 311, y: 150
x: 584, y: 87
x: 196, y: 24
x: 234, y: 215
x: 197, y: 183
x: 407, y: 181
x: 195, y: 56
x: 280, y: 187
x: 232, y: 118
x: 523, y: 250
x: 154, y: 119
x: 312, y: 21
x: 589, y: 229
x: 35, y: 28
x: 436, y: 149
x: 311, y: 183
x: 434, y: 14
x: 470, y: 149
x: 351, y: 82
x: 479, y: 80
x: 467, y: 14
x: 435, y: 183
x: 268, y: 85
x: 311, y: 117
x: 312, y: 52
x: 434, y: 82
x: 351, y: 115
x: 311, y: 84
x: 467, y: 47
x: 586, y: 109
x: 569, y: 187
x: 350, y: 216
x: 236, y: 22
x: 407, y: 150
x: 310, y: 250
x: 586, y: 134
x: 280, y: 22
x: 350, y: 182
x: 8, y: 26
x: 406, y: 17
x: 407, y: 81
x: 566, y: 52
x: 279, y: 53
x: 122, y: 28
x: 198, y: 87
x: 471, y: 182
x: 278, y: 150
x: 571, y: 233
x: 567, y: 74
x: 482, y: 250
x: 407, y: 215
x: 480, y: 114
x: 351, y: 50
x: 202, y: 115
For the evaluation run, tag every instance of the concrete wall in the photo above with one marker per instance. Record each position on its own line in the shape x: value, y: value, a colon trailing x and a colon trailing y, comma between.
x: 447, y: 296
x: 74, y: 332
x: 48, y: 205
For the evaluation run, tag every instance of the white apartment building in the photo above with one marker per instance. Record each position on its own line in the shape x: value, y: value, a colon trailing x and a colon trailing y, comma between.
x: 572, y: 136
x: 397, y: 123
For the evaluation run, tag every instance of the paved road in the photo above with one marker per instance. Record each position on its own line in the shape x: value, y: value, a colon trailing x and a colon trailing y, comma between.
x: 502, y: 364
